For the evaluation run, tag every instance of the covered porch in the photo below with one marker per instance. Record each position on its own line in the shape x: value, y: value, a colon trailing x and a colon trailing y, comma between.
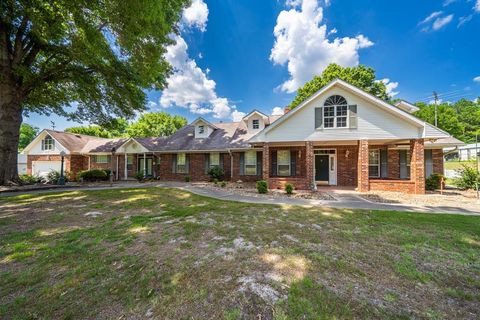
x: 374, y: 165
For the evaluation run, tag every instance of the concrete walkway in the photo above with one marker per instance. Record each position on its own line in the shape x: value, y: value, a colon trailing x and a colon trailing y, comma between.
x: 345, y: 199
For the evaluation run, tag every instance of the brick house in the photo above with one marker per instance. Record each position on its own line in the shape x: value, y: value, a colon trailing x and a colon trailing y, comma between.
x: 340, y: 136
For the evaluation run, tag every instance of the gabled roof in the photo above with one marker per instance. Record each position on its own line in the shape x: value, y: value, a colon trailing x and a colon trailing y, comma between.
x: 200, y: 119
x: 347, y: 86
x: 255, y: 111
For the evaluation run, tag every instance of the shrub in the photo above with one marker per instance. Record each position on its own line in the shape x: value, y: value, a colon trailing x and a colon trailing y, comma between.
x: 107, y: 171
x: 289, y: 188
x: 93, y: 175
x: 469, y: 177
x: 262, y: 186
x: 187, y: 179
x: 216, y: 173
x: 215, y: 181
x: 434, y: 181
x: 29, y: 179
x: 223, y: 184
x: 139, y: 176
x: 52, y: 177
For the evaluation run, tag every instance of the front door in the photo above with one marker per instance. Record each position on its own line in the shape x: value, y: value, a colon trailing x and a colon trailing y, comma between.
x: 322, y: 167
x: 148, y: 165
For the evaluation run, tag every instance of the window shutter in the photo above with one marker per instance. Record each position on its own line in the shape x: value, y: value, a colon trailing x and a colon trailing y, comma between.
x: 318, y: 117
x: 221, y: 160
x: 187, y: 163
x: 352, y: 115
x: 242, y: 163
x: 403, y: 164
x: 383, y: 163
x: 259, y: 163
x: 174, y: 163
x: 207, y: 162
x: 293, y: 163
x: 273, y: 162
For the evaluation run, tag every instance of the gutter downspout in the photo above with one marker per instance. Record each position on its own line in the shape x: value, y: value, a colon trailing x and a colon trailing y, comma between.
x: 231, y: 164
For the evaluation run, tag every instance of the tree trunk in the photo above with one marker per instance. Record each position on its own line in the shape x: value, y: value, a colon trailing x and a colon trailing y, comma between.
x: 10, y: 121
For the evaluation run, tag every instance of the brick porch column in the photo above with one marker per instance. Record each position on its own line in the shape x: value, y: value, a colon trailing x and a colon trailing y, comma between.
x: 363, y: 183
x: 417, y: 165
x: 266, y: 163
x: 309, y: 164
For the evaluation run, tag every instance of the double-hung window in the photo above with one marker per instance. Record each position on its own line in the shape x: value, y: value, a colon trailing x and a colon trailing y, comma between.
x: 335, y: 112
x: 181, y: 163
x: 201, y: 129
x: 214, y: 159
x: 48, y: 143
x: 101, y: 158
x: 256, y: 124
x: 283, y: 162
x: 129, y: 162
x: 374, y: 163
x: 251, y: 163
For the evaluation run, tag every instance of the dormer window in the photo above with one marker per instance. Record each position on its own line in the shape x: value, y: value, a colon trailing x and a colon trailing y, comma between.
x: 256, y: 124
x: 48, y: 143
x: 201, y: 129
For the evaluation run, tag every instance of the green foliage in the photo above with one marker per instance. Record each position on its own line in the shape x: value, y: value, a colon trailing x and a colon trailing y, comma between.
x: 139, y: 176
x: 223, y: 184
x: 27, y: 134
x: 100, y: 54
x: 469, y: 177
x: 53, y: 176
x: 29, y: 179
x: 434, y: 181
x: 216, y: 173
x: 289, y: 188
x: 93, y: 175
x: 155, y: 124
x: 360, y: 76
x: 92, y: 130
x: 187, y: 179
x: 262, y: 186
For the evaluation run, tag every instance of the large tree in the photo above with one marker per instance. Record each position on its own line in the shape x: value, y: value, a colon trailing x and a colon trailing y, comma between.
x: 27, y: 134
x: 111, y: 129
x: 447, y: 118
x: 155, y: 124
x: 97, y: 55
x: 360, y: 76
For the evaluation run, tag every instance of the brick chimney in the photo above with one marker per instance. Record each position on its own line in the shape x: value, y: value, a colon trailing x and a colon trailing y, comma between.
x: 286, y: 110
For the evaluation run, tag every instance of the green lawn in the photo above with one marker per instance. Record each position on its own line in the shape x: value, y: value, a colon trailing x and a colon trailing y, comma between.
x: 170, y: 254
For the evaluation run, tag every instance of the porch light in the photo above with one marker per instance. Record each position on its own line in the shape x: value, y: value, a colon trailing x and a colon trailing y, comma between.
x: 347, y: 154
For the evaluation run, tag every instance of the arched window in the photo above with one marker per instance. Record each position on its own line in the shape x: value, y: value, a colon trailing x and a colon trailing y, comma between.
x: 335, y: 112
x: 48, y: 143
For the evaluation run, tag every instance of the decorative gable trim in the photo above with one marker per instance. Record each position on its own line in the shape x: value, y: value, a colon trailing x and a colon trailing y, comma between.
x: 39, y: 138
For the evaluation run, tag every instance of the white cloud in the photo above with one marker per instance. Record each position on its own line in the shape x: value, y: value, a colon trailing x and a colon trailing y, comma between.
x: 432, y: 16
x: 476, y: 79
x: 448, y: 2
x: 189, y: 86
x: 152, y: 105
x: 277, y: 111
x: 237, y: 115
x: 477, y: 6
x: 301, y: 42
x: 390, y: 86
x: 441, y: 22
x: 196, y: 15
x: 463, y: 20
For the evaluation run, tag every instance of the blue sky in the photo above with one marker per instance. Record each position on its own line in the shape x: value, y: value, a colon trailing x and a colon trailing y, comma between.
x: 233, y: 56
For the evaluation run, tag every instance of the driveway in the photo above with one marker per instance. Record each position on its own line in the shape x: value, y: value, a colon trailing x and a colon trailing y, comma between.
x: 344, y: 199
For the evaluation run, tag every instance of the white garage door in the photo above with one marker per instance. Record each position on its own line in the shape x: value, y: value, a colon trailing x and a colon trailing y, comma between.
x: 42, y: 168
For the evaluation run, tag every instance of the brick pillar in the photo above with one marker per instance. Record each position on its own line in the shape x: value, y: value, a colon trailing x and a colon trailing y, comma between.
x: 266, y: 163
x: 363, y: 183
x: 309, y: 161
x: 417, y: 165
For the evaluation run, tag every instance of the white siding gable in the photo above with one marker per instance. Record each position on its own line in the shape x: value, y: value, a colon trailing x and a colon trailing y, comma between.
x: 374, y: 122
x: 131, y: 146
x: 250, y: 120
x: 35, y: 148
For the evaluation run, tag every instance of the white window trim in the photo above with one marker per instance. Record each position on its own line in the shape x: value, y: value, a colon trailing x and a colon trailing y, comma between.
x: 201, y: 129
x: 246, y: 164
x: 289, y: 164
x: 51, y: 144
x: 334, y: 117
x: 374, y: 165
x: 256, y: 124
x: 101, y: 155
x: 217, y: 154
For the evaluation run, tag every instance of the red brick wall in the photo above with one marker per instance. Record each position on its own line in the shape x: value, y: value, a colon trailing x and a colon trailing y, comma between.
x: 300, y: 167
x: 72, y: 163
x: 347, y: 157
x: 404, y: 186
x: 196, y: 170
x: 417, y: 165
x: 393, y: 164
x: 362, y: 165
x: 437, y: 160
x: 236, y: 170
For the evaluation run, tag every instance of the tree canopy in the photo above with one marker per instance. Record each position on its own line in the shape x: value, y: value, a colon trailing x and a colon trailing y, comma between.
x: 27, y: 134
x: 461, y: 119
x: 153, y: 124
x: 86, y: 60
x: 360, y: 76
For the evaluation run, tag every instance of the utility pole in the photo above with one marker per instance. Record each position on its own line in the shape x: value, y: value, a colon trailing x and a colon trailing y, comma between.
x: 435, y: 96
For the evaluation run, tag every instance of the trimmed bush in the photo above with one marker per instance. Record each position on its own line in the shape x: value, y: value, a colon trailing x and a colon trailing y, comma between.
x: 93, y: 175
x: 433, y: 182
x: 216, y: 173
x: 139, y: 176
x: 289, y: 188
x: 29, y: 179
x: 262, y: 186
x: 469, y: 177
x: 187, y: 179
